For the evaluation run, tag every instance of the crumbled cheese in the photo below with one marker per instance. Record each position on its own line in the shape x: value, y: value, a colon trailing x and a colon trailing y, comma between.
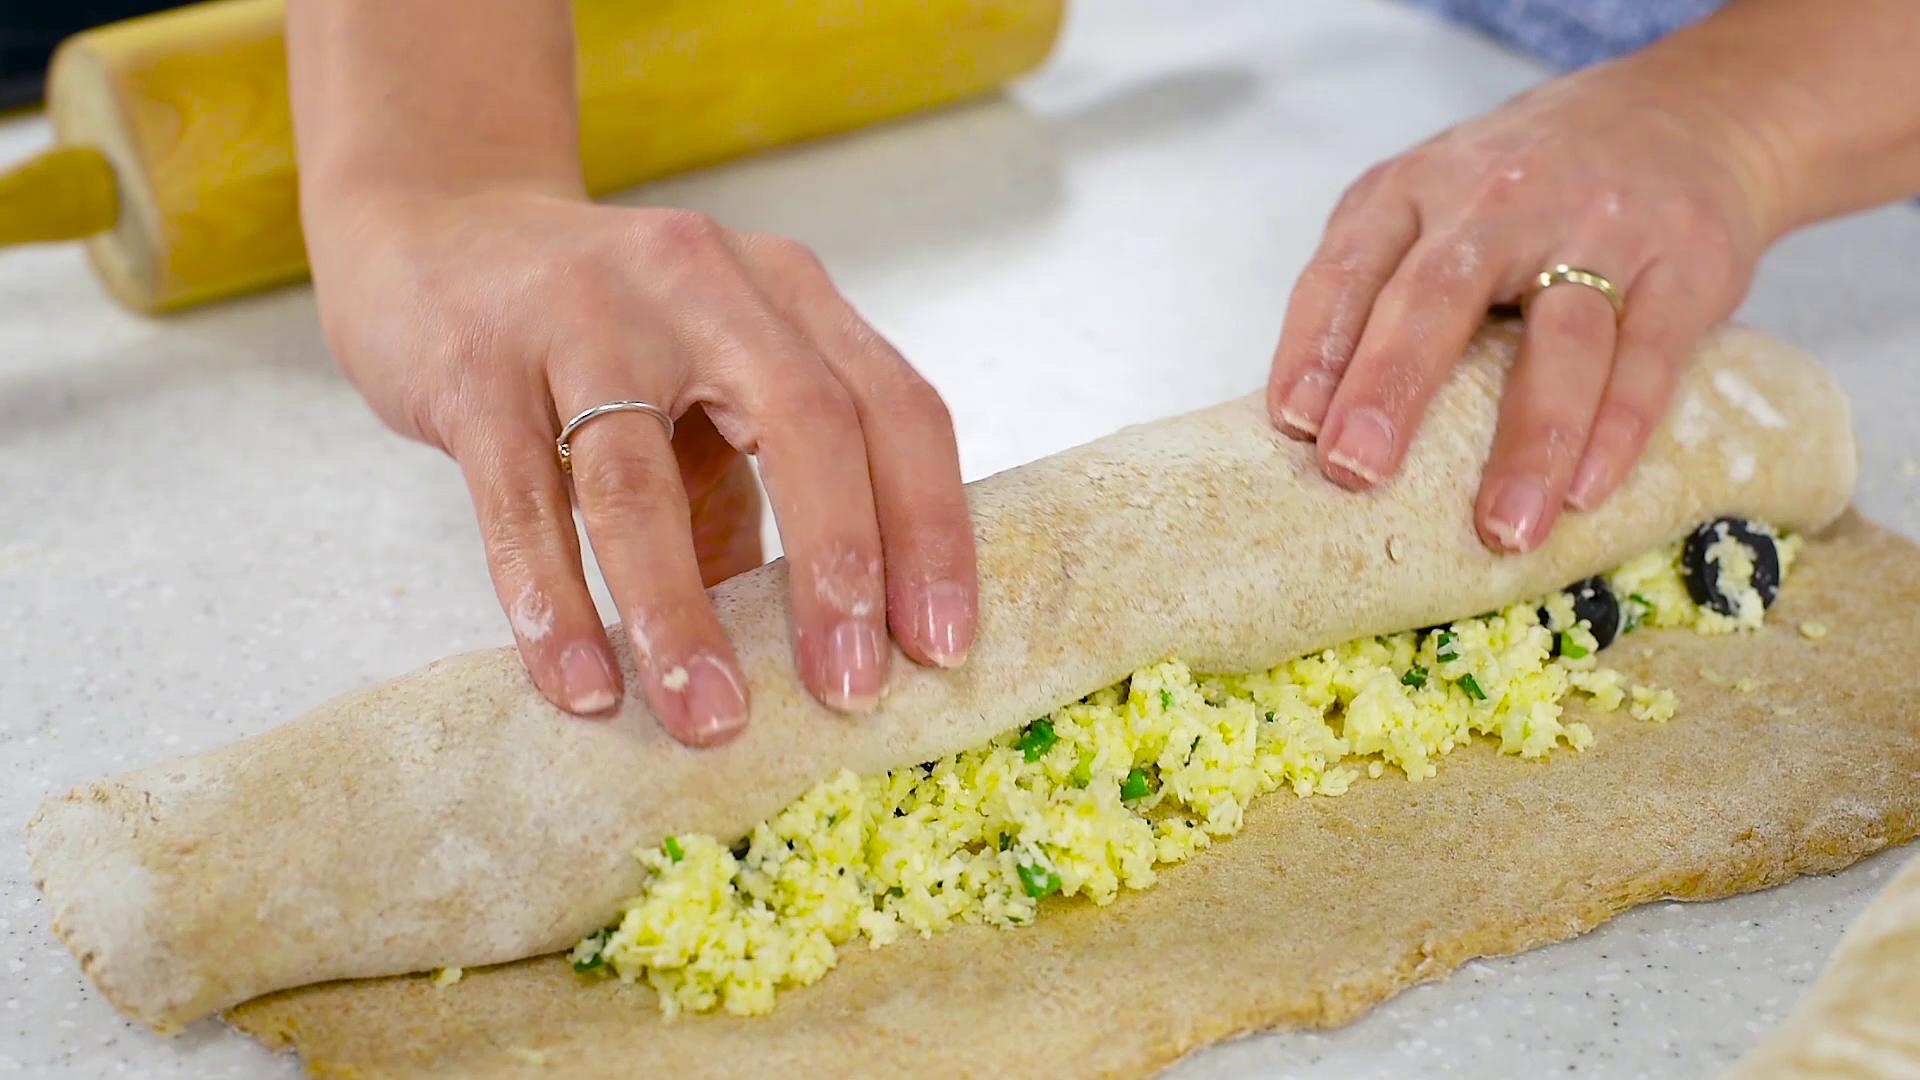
x: 1653, y: 704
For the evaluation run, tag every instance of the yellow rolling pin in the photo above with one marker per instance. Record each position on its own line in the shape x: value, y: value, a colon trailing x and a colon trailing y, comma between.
x: 175, y: 145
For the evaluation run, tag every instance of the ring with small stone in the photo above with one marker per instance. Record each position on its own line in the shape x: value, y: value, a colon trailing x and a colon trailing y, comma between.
x: 565, y: 451
x: 1562, y: 274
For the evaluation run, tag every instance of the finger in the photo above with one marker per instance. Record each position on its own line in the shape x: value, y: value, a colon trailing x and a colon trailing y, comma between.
x: 1546, y: 412
x: 1662, y: 324
x: 533, y: 554
x: 1366, y: 238
x: 1424, y: 318
x: 629, y: 490
x: 723, y: 497
x: 926, y: 532
x: 802, y: 425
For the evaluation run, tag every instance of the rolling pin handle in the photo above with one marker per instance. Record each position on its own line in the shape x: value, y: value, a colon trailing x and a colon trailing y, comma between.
x: 65, y: 193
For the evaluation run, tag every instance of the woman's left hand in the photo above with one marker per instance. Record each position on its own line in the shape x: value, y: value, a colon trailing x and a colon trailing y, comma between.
x: 1627, y: 170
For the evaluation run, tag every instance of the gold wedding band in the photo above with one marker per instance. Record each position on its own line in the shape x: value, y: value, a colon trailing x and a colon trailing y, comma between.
x: 565, y: 451
x: 1563, y: 274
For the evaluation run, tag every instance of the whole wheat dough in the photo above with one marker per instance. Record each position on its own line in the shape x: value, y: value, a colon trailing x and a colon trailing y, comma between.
x: 1861, y: 1020
x: 452, y: 817
x: 1318, y: 910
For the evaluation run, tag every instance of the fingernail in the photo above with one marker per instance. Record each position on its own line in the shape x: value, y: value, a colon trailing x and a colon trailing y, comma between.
x: 716, y: 705
x: 585, y: 679
x: 1363, y: 446
x: 1588, y: 481
x: 946, y: 623
x: 1306, y: 404
x: 852, y: 665
x: 1517, y: 512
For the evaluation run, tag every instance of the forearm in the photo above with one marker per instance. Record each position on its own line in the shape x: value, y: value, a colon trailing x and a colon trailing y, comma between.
x: 447, y: 94
x: 1829, y: 93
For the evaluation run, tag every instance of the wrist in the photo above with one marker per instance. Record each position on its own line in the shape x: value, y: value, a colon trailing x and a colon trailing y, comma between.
x: 334, y: 186
x: 1741, y: 120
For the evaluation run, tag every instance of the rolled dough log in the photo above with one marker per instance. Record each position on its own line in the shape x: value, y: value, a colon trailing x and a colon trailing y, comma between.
x: 1316, y: 912
x: 451, y: 817
x: 1861, y: 1020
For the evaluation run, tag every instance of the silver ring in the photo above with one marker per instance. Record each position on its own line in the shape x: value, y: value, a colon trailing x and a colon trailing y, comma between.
x: 565, y: 451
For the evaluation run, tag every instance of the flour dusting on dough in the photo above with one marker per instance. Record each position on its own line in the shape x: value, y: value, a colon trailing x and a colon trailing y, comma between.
x: 1690, y: 420
x: 1743, y: 395
x: 1740, y: 465
x: 460, y: 858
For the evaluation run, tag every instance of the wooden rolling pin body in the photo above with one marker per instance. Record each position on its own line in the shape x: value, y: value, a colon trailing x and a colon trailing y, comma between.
x: 190, y: 110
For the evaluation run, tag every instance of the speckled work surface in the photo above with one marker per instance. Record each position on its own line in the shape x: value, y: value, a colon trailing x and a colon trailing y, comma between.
x: 203, y: 532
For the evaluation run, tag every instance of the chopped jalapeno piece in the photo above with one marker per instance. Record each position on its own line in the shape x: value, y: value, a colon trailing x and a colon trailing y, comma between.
x: 1446, y: 647
x: 896, y: 892
x: 1166, y: 698
x: 1570, y: 648
x: 1083, y: 770
x: 1038, y: 881
x: 596, y: 956
x: 672, y: 846
x: 1006, y: 841
x: 1038, y: 739
x: 1135, y: 785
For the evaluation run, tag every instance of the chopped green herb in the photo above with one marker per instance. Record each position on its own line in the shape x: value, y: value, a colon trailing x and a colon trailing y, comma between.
x: 1006, y: 841
x: 1445, y: 646
x: 674, y: 851
x: 1638, y: 614
x: 1135, y: 786
x: 1038, y: 881
x: 1415, y: 677
x: 1472, y: 686
x: 1269, y: 716
x: 896, y: 892
x: 596, y: 956
x: 1570, y: 648
x: 1039, y: 738
x: 1166, y: 698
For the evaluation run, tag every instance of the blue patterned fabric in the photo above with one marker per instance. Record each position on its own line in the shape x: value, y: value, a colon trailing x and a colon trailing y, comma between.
x: 1574, y: 33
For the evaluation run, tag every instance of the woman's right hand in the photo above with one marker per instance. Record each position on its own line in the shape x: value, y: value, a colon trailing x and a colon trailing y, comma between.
x: 480, y: 320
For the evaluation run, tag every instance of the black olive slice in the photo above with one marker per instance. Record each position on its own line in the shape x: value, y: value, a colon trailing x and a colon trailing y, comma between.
x: 1703, y: 575
x: 1595, y: 603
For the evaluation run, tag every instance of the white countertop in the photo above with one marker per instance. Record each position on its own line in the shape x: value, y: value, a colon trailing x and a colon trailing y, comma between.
x: 203, y: 532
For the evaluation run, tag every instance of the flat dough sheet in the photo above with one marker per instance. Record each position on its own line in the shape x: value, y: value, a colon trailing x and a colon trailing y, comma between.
x: 1861, y: 1020
x: 1321, y: 909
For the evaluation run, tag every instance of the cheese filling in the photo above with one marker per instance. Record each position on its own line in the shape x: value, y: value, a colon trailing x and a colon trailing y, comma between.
x: 1097, y: 796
